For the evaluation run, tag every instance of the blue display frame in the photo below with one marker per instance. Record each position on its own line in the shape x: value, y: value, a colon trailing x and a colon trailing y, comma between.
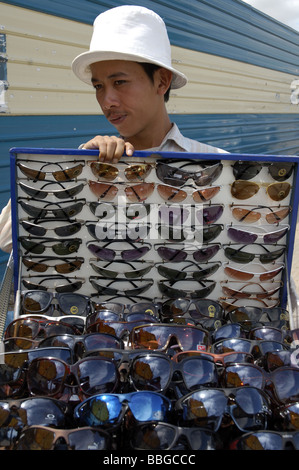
x: 167, y: 155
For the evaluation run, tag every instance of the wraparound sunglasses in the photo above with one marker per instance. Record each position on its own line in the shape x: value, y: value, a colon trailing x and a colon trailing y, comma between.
x: 41, y: 193
x: 59, y: 210
x: 69, y: 265
x: 66, y: 229
x: 60, y: 247
x: 134, y: 251
x: 177, y: 176
x: 240, y: 255
x: 174, y: 255
x: 63, y: 174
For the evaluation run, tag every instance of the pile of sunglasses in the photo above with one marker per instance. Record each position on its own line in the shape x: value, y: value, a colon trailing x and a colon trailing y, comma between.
x: 126, y: 343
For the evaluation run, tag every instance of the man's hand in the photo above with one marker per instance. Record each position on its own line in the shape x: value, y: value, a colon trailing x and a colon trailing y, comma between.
x: 111, y: 149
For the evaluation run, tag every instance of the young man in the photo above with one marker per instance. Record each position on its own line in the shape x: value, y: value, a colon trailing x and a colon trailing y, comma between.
x: 129, y: 65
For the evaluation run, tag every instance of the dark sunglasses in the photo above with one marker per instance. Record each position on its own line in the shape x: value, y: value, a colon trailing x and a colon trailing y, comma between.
x: 132, y: 171
x: 122, y: 310
x: 110, y: 409
x: 246, y: 170
x: 137, y: 287
x: 252, y: 214
x: 274, y: 359
x: 177, y: 176
x: 60, y: 247
x: 80, y: 345
x: 197, y: 273
x: 48, y: 438
x: 262, y: 332
x: 198, y: 233
x: 135, y: 252
x: 57, y: 211
x: 262, y: 274
x: 286, y: 417
x: 255, y: 347
x: 48, y: 376
x: 240, y: 255
x: 64, y: 230
x: 133, y: 271
x: 166, y: 436
x: 37, y: 264
x: 104, y: 231
x: 174, y: 255
x: 63, y: 174
x: 70, y: 284
x: 68, y: 303
x: 147, y: 316
x: 242, y: 190
x: 250, y: 314
x: 175, y: 194
x: 106, y: 210
x: 283, y: 385
x: 134, y: 193
x: 120, y: 329
x: 207, y: 308
x: 247, y: 407
x: 167, y: 288
x: 174, y: 215
x: 14, y: 365
x: 239, y: 234
x: 40, y: 193
x: 32, y: 329
x: 267, y: 440
x: 162, y: 336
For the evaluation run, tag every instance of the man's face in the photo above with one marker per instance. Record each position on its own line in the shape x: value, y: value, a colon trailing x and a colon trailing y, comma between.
x: 127, y: 96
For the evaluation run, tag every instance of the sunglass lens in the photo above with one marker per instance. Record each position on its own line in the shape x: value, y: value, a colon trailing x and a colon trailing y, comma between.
x: 238, y: 256
x: 171, y: 254
x: 245, y: 215
x: 281, y: 171
x: 68, y: 174
x: 104, y: 191
x: 277, y: 216
x: 171, y: 194
x: 246, y: 170
x: 278, y: 191
x: 104, y: 171
x: 138, y: 172
x: 205, y: 254
x: 209, y: 214
x: 139, y: 192
x: 242, y: 189
x: 204, y: 195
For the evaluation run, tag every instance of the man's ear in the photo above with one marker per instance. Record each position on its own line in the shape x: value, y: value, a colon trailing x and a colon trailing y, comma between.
x: 164, y: 78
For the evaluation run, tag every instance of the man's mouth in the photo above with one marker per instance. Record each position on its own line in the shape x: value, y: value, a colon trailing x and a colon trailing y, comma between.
x: 116, y: 119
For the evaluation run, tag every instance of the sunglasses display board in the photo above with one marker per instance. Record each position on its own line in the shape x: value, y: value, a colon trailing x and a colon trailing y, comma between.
x: 163, y: 265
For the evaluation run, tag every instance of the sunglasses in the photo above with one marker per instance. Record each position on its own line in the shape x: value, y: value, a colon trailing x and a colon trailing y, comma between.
x: 174, y: 215
x: 259, y: 303
x: 201, y: 235
x: 260, y: 293
x: 246, y: 170
x: 256, y: 331
x: 47, y: 376
x: 175, y: 255
x: 47, y: 438
x: 108, y: 289
x: 287, y: 416
x: 274, y: 359
x: 77, y: 321
x: 39, y: 245
x: 239, y: 256
x: 267, y: 440
x: 241, y: 189
x: 123, y: 310
x: 80, y: 345
x: 110, y: 409
x: 254, y: 214
x: 136, y: 271
x: 220, y: 359
x: 255, y: 347
x: 65, y: 230
x: 157, y: 372
x: 135, y: 232
x: 58, y: 212
x: 166, y: 436
x: 32, y: 328
x: 241, y: 275
x: 70, y: 285
x: 134, y: 253
x: 105, y: 210
x: 132, y: 172
x: 42, y: 301
x: 167, y: 288
x: 241, y: 235
x: 19, y: 413
x: 120, y: 329
x: 203, y: 308
x: 247, y: 314
x: 59, y: 193
x: 177, y: 275
x: 134, y: 193
x: 177, y: 176
x: 247, y: 407
x: 14, y: 365
x: 162, y: 336
x: 70, y: 264
x: 174, y: 194
x: 283, y: 385
x: 62, y: 174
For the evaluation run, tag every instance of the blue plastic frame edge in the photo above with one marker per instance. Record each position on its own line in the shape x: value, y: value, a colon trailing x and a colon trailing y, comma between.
x: 179, y: 155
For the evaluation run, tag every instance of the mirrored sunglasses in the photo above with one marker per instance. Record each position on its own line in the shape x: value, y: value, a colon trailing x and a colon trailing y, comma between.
x: 38, y: 301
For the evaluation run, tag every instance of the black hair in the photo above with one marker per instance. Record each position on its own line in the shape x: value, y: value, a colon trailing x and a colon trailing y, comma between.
x: 150, y: 69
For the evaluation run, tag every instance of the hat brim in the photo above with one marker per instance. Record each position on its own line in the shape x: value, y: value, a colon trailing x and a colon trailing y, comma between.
x: 81, y: 65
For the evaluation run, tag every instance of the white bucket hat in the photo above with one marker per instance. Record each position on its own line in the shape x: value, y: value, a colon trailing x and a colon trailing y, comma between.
x: 130, y: 33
